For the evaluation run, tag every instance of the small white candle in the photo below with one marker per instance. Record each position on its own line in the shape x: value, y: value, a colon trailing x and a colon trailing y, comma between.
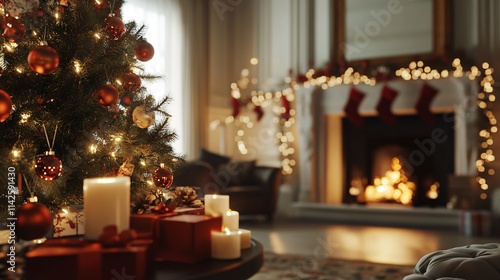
x: 245, y: 238
x: 106, y: 201
x: 226, y: 245
x: 216, y: 205
x: 231, y: 220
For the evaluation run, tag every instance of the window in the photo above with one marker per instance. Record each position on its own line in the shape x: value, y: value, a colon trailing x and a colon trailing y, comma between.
x: 163, y: 26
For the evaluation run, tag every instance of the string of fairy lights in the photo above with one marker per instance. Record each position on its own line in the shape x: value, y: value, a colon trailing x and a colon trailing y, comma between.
x: 416, y: 70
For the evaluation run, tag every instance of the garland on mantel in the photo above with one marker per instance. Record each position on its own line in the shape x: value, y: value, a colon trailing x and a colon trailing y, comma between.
x: 282, y: 99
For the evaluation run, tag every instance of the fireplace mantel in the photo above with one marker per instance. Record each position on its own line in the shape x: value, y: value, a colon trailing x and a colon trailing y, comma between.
x: 319, y: 109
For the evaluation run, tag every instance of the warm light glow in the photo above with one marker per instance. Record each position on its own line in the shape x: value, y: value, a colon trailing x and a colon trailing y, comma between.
x: 16, y: 153
x: 77, y: 66
x: 254, y: 61
x: 394, y: 186
x: 433, y: 193
x: 24, y: 117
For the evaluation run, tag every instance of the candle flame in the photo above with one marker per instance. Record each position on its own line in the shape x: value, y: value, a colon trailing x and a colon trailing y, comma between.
x: 65, y: 211
x: 227, y: 231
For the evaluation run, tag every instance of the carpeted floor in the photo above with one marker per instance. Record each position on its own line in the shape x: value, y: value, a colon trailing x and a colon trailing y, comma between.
x: 295, y: 267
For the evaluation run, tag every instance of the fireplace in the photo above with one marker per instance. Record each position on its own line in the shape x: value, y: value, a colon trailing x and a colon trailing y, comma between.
x: 406, y: 163
x: 336, y: 156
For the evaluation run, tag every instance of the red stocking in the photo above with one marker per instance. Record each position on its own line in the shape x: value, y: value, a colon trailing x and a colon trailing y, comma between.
x: 427, y: 94
x: 259, y: 112
x: 236, y: 107
x: 286, y: 104
x: 385, y: 103
x: 352, y: 106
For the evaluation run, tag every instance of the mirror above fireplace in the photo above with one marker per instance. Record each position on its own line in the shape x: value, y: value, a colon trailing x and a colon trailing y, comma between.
x: 390, y: 31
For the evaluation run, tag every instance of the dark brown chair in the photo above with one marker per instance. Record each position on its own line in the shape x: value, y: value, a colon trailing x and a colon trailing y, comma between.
x: 257, y: 195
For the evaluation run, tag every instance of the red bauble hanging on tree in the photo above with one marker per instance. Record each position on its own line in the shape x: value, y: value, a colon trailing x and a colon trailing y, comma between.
x: 131, y: 82
x: 5, y: 106
x: 43, y: 60
x: 14, y: 29
x: 107, y: 94
x: 144, y: 51
x: 101, y: 4
x: 115, y: 27
x: 162, y: 177
x: 33, y: 221
x: 48, y: 167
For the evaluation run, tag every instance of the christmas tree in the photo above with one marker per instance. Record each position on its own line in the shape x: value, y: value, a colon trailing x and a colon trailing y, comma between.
x: 71, y: 71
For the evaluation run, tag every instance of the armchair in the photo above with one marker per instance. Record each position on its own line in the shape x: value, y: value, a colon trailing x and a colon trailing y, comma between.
x: 253, y: 190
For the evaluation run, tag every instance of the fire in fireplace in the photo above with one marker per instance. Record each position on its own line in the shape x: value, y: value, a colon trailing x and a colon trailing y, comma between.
x: 398, y: 163
x: 393, y: 187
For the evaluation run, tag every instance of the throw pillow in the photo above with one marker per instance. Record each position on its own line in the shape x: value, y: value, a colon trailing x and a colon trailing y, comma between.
x: 239, y: 172
x: 215, y: 160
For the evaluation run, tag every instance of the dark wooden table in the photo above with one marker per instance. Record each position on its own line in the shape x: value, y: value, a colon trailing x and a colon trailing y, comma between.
x: 243, y: 268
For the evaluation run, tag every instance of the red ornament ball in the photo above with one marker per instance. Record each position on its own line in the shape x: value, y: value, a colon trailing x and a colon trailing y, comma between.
x: 115, y: 27
x: 14, y: 29
x: 101, y: 4
x: 144, y: 51
x: 48, y: 167
x: 43, y: 59
x: 108, y: 95
x: 33, y: 221
x: 162, y: 177
x: 131, y: 82
x: 5, y: 106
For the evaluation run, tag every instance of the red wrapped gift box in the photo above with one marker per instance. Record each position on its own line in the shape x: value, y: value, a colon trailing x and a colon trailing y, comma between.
x: 128, y: 261
x: 185, y: 238
x: 146, y: 224
x: 64, y: 259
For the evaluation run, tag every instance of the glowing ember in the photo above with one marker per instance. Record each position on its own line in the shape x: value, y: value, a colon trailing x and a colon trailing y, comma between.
x: 433, y: 192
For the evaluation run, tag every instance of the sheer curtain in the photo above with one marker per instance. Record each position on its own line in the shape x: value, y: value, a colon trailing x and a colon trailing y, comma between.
x: 178, y: 29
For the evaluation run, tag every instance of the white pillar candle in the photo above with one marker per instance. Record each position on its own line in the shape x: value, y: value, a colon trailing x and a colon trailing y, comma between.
x: 106, y: 201
x: 216, y: 205
x: 225, y: 245
x: 245, y: 238
x: 231, y: 220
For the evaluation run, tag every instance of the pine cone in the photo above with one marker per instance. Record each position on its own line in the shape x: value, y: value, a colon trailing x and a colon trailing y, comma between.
x: 145, y: 202
x: 186, y: 196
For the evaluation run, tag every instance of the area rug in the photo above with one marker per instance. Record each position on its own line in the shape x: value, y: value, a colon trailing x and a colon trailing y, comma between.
x: 296, y: 267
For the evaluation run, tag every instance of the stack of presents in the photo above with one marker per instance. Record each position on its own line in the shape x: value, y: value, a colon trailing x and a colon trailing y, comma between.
x: 185, y: 236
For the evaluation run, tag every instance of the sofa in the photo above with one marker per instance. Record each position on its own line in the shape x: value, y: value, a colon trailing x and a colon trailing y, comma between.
x: 253, y: 190
x: 471, y: 262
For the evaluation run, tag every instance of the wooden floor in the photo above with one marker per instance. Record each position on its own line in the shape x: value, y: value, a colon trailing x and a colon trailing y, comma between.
x: 390, y: 245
